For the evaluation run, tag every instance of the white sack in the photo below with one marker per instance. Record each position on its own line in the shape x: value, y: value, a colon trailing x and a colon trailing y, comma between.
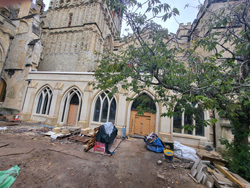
x: 184, y: 152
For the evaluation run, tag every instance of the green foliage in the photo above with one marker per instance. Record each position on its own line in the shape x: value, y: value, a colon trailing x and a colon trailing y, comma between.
x: 212, y: 71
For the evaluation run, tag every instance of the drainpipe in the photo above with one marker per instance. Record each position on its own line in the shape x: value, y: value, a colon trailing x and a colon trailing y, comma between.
x: 214, y: 132
x: 6, y: 57
x: 26, y: 92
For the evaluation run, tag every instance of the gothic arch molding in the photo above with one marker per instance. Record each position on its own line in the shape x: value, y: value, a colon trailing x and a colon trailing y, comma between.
x: 130, y: 106
x: 70, y: 108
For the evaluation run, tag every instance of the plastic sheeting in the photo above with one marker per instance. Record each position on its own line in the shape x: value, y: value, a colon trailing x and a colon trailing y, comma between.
x: 108, y: 127
x: 8, y: 177
x: 184, y: 152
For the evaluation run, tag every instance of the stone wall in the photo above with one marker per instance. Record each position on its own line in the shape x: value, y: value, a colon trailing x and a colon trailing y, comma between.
x: 73, y: 32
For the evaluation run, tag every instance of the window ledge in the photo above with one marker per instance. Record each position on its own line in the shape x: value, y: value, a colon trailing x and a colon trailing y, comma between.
x: 41, y: 115
x: 190, y: 136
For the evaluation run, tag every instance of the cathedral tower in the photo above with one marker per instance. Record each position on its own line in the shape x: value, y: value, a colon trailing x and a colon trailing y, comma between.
x: 73, y: 30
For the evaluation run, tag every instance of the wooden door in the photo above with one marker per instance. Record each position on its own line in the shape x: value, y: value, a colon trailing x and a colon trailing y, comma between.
x: 72, y: 115
x: 142, y: 125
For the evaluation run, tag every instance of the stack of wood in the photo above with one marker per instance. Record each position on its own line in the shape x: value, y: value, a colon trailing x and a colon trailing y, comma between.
x: 91, y: 142
x: 216, y: 175
x: 83, y: 139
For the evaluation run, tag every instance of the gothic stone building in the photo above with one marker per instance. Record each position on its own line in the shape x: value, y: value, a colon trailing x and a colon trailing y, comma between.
x: 48, y: 60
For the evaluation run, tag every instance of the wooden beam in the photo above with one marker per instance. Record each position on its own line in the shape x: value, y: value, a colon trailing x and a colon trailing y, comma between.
x: 229, y: 176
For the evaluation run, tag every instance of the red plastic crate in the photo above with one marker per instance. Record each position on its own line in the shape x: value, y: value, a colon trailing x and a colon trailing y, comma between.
x: 99, y: 146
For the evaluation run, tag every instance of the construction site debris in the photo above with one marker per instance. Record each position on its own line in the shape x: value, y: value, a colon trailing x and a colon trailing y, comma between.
x: 86, y: 131
x: 229, y: 176
x: 159, y: 162
x: 83, y: 139
x: 206, y: 173
x: 107, y: 134
x: 8, y: 123
x: 61, y: 132
x: 154, y: 143
x: 91, y: 142
x: 184, y: 152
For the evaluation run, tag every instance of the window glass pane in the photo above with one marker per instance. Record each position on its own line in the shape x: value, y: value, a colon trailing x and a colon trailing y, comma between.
x: 104, y: 111
x: 64, y: 107
x: 74, y: 99
x: 49, y: 105
x: 39, y: 104
x: 97, y: 109
x: 103, y: 95
x: 112, y: 111
x: 188, y: 121
x: 146, y: 102
x: 45, y: 104
x: 199, y: 129
x: 177, y: 121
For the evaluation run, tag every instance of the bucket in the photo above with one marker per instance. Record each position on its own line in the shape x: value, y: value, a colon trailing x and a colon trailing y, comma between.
x: 169, y: 154
x: 169, y: 145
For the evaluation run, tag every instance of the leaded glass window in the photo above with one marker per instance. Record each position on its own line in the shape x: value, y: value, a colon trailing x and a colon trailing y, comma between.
x: 105, y: 108
x: 44, y: 101
x: 184, y: 118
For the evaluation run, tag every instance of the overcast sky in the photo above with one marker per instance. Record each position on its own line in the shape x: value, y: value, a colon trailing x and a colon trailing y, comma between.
x: 186, y: 14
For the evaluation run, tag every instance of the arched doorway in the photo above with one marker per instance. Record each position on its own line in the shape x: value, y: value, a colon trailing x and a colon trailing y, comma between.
x: 71, y: 107
x: 2, y: 90
x: 142, y: 124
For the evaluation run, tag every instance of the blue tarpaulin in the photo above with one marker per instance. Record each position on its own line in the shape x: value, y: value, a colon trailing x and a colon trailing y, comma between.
x: 155, y: 145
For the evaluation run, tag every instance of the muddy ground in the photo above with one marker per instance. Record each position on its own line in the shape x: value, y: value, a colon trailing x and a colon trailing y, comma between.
x: 49, y: 163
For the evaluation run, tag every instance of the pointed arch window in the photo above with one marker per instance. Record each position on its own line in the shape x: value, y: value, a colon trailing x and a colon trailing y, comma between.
x: 44, y: 101
x: 105, y: 108
x: 184, y: 118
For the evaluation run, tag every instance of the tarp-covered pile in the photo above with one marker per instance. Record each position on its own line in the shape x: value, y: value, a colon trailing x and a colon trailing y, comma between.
x: 154, y: 143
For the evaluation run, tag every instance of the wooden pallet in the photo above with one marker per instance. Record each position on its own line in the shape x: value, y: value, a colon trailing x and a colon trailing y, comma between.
x: 91, y: 142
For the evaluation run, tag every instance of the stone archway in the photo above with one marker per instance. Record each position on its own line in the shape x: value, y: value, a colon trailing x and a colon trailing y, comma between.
x: 71, y: 107
x: 73, y: 110
x: 142, y: 124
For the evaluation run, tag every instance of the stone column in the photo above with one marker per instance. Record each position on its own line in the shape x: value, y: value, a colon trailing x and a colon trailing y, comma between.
x: 121, y: 110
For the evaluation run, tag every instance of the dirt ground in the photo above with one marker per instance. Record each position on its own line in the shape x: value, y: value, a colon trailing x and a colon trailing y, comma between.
x: 45, y: 162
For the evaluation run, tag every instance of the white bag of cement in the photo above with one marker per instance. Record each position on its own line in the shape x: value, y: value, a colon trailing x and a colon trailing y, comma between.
x: 184, y: 152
